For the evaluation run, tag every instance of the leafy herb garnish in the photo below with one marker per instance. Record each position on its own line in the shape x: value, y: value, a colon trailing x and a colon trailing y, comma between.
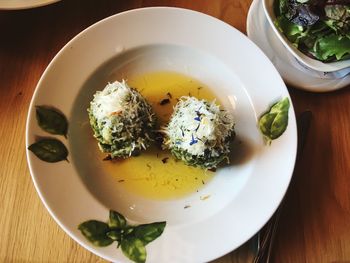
x: 131, y: 238
x: 95, y: 231
x: 134, y: 249
x: 273, y: 123
x: 149, y: 232
x: 116, y: 220
x: 51, y: 121
x: 49, y: 150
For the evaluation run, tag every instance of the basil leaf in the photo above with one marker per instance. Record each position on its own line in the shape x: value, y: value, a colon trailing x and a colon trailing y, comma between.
x: 149, y: 232
x: 134, y: 249
x: 131, y: 239
x: 49, y: 150
x: 116, y: 220
x: 273, y: 123
x: 96, y: 232
x: 265, y: 123
x: 279, y: 125
x: 114, y: 235
x: 120, y: 234
x: 282, y: 105
x: 51, y: 121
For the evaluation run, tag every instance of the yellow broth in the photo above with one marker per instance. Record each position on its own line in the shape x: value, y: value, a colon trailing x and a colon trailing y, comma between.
x: 155, y: 174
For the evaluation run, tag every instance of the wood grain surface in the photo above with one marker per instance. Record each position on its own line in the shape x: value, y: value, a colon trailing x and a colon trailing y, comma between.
x: 315, y: 220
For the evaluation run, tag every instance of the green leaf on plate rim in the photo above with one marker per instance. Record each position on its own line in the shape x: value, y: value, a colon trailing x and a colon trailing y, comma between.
x: 96, y: 232
x: 134, y: 249
x: 116, y: 220
x: 51, y: 120
x: 149, y: 232
x: 131, y: 238
x: 115, y: 235
x: 49, y: 150
x: 273, y: 123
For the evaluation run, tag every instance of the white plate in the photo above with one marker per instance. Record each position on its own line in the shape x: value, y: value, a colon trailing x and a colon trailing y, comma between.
x: 243, y: 196
x: 292, y: 71
x: 307, y: 61
x: 24, y: 4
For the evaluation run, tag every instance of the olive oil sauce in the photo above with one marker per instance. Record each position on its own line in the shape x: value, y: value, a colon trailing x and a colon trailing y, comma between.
x: 155, y: 174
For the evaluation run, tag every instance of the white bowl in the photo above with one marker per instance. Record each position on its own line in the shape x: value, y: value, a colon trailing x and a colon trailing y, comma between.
x: 307, y: 61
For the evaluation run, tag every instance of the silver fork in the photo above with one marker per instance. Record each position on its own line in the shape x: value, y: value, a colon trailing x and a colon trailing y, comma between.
x: 264, y: 239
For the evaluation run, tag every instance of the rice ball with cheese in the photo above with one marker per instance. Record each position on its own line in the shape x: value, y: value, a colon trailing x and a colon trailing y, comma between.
x: 122, y: 120
x: 199, y: 133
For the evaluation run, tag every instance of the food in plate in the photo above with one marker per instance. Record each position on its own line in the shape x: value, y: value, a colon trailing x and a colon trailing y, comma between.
x: 122, y: 120
x: 319, y: 29
x: 199, y: 132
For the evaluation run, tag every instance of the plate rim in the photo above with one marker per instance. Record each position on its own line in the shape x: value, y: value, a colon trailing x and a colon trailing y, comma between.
x: 30, y: 5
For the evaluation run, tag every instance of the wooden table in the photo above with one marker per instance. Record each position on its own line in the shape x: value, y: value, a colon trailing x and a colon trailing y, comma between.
x: 315, y: 221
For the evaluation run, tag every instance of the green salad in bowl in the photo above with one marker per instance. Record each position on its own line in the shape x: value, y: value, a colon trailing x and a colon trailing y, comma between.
x: 318, y: 28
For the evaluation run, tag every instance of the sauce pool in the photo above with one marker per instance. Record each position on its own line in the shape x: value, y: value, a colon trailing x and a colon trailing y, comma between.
x: 155, y: 174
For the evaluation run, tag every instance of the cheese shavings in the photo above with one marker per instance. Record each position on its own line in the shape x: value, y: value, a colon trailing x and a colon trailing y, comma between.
x: 122, y: 120
x: 199, y: 132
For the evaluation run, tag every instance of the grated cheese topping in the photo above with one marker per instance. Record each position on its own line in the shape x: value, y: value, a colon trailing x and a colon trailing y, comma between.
x: 122, y: 120
x: 110, y: 100
x: 198, y: 125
